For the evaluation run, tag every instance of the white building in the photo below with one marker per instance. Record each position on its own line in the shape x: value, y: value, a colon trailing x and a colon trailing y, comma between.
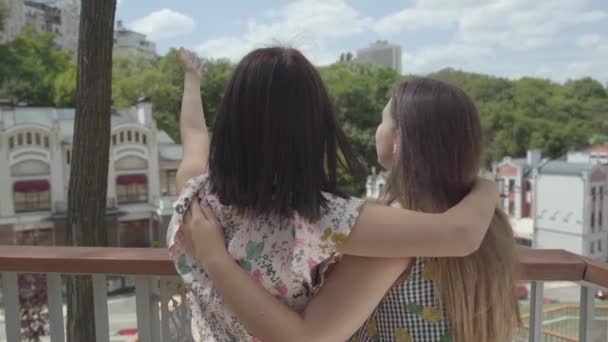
x: 382, y: 53
x: 592, y: 154
x: 569, y: 203
x: 514, y: 177
x: 35, y: 152
x: 62, y: 18
x: 129, y: 42
x: 374, y: 187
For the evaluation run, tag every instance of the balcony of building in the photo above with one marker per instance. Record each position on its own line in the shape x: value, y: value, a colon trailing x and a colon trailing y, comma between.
x: 158, y: 293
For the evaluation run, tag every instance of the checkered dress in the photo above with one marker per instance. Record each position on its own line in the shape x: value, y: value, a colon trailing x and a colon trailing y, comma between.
x: 409, y: 312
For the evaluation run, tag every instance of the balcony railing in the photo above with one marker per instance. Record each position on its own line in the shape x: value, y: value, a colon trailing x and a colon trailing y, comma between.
x: 156, y: 283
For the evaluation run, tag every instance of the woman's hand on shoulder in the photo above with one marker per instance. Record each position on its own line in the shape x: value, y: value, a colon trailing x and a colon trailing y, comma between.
x: 203, y: 235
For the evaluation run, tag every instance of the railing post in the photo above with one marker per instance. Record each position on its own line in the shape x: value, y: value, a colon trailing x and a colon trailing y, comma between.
x: 536, y: 311
x: 147, y: 311
x: 54, y: 290
x: 12, y: 310
x: 164, y: 310
x: 586, y: 314
x: 100, y: 303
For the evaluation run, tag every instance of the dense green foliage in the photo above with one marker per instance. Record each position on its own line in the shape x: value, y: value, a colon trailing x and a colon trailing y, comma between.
x: 516, y: 114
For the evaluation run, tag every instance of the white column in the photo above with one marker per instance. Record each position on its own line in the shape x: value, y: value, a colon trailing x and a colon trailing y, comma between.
x: 57, y: 159
x: 153, y: 167
x: 6, y: 193
x: 111, y: 176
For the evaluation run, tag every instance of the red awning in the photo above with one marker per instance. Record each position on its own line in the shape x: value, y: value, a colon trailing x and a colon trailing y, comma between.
x: 132, y: 179
x: 31, y: 186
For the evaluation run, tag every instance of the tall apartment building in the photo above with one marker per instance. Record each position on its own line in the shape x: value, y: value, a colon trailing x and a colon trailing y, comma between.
x: 35, y: 157
x: 59, y: 17
x: 128, y: 42
x: 382, y: 53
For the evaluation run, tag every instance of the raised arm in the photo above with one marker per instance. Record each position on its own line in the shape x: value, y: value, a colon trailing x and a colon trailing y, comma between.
x: 193, y: 129
x: 388, y: 232
x: 341, y: 306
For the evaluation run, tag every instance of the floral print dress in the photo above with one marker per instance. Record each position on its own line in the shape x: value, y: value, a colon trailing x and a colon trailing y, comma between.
x: 286, y: 256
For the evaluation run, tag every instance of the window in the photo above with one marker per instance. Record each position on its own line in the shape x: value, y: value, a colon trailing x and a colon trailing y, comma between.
x: 132, y: 188
x: 128, y: 135
x: 46, y: 141
x: 68, y: 156
x: 136, y: 136
x: 28, y: 138
x: 114, y: 139
x: 168, y: 183
x: 511, y: 185
x: 599, y: 245
x: 134, y: 233
x: 380, y: 189
x: 122, y: 137
x: 11, y: 142
x: 37, y: 139
x: 593, y: 202
x: 591, y: 248
x: 144, y: 139
x: 600, y: 215
x: 32, y: 195
x: 19, y: 139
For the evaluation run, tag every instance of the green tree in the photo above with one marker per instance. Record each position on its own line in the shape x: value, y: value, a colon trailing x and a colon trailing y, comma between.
x: 30, y: 64
x: 64, y: 87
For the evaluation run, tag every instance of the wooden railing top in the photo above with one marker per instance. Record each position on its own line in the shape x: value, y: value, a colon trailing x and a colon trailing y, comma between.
x: 548, y: 265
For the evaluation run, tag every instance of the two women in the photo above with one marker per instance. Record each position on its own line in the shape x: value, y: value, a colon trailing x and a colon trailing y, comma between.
x: 272, y: 184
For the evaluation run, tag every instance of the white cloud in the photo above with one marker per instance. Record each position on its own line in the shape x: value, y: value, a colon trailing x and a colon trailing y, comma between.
x: 305, y: 24
x: 163, y: 24
x: 588, y: 40
x: 482, y: 29
x: 514, y: 24
x: 447, y: 55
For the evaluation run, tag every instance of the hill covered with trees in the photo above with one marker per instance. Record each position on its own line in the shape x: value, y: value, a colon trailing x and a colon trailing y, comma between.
x: 516, y: 114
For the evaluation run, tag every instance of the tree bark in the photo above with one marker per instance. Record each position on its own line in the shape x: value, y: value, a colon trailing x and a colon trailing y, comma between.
x: 86, y: 224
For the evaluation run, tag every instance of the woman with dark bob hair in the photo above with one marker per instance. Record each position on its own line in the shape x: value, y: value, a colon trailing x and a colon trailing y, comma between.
x: 270, y: 177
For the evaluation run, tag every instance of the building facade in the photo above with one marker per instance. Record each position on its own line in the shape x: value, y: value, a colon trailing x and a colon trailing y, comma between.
x: 61, y: 18
x: 36, y: 151
x: 382, y: 53
x: 130, y: 42
x: 514, y: 177
x: 570, y: 202
x: 592, y: 154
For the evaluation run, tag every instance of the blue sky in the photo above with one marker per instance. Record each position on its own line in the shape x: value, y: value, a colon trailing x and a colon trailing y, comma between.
x: 556, y: 39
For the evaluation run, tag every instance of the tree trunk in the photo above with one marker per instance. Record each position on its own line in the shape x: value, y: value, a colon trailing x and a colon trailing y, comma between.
x: 86, y: 224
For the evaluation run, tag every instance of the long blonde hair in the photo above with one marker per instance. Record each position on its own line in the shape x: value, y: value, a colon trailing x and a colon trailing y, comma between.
x: 436, y: 165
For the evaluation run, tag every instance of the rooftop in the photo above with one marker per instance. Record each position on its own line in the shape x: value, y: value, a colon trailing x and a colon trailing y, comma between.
x: 560, y: 167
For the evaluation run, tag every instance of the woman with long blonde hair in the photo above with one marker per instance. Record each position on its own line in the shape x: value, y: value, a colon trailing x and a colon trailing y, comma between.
x: 431, y: 141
